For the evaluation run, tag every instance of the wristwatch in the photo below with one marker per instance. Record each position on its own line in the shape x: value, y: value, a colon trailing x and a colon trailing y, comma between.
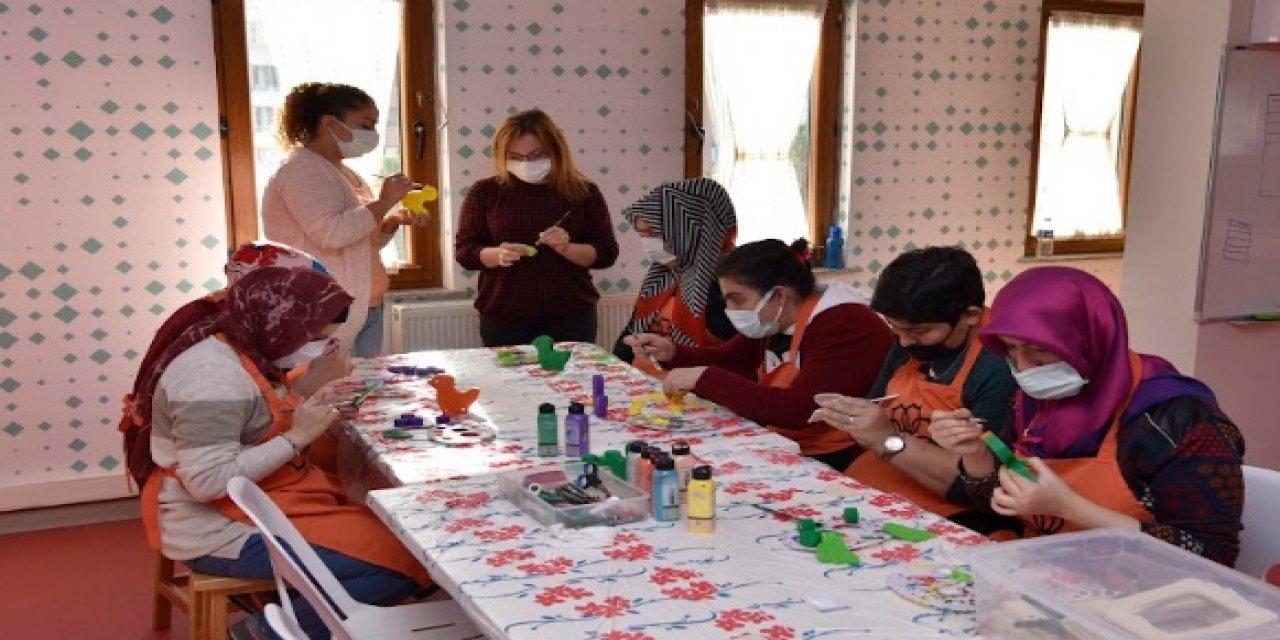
x: 893, y: 445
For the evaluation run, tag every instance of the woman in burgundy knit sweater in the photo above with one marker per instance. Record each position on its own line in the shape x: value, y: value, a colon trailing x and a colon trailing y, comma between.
x: 533, y: 231
x: 796, y: 339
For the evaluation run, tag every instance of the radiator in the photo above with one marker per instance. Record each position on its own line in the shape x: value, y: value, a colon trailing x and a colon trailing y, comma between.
x: 454, y: 324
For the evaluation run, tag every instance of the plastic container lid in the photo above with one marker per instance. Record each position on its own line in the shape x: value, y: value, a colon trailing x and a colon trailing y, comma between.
x: 576, y: 408
x: 546, y: 407
x: 680, y: 448
x: 636, y: 446
x: 664, y: 463
x: 701, y: 473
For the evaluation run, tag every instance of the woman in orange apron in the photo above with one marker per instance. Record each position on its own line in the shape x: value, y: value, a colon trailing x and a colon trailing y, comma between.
x: 686, y: 227
x: 220, y: 410
x: 795, y: 340
x: 1114, y: 438
x: 933, y: 302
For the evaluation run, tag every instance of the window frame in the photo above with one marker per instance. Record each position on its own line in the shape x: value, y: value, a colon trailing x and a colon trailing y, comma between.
x: 418, y: 97
x: 824, y: 105
x: 1068, y: 246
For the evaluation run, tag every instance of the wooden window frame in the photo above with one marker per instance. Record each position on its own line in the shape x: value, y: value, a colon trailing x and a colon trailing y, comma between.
x: 417, y: 112
x: 1069, y: 246
x: 824, y: 106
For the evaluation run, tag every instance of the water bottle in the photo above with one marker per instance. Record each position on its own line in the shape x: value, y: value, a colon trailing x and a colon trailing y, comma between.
x: 1044, y: 239
x: 835, y: 249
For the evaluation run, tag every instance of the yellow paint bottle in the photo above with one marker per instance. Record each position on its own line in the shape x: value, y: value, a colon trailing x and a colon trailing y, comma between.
x: 702, y: 501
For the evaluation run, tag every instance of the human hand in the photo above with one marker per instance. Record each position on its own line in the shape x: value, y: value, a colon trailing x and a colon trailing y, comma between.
x: 652, y: 345
x: 958, y: 432
x: 313, y: 417
x: 334, y: 364
x: 394, y: 187
x: 403, y: 217
x: 556, y: 238
x: 1047, y: 495
x: 503, y: 255
x: 682, y: 380
x: 858, y: 417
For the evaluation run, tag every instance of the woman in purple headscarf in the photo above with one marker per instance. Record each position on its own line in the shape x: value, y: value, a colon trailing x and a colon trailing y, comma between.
x: 1114, y: 438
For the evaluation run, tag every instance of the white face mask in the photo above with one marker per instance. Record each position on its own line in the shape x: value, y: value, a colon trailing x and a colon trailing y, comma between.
x: 531, y: 171
x: 362, y: 141
x: 747, y: 321
x: 654, y: 249
x: 308, y: 352
x: 1049, y: 381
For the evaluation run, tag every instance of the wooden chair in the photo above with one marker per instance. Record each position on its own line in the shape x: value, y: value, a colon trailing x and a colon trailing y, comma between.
x: 202, y: 596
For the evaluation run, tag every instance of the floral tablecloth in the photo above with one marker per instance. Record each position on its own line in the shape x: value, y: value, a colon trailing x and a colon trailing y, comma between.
x: 509, y: 397
x: 654, y: 580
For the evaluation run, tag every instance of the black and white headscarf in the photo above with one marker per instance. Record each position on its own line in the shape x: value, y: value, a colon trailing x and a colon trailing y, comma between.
x: 695, y: 219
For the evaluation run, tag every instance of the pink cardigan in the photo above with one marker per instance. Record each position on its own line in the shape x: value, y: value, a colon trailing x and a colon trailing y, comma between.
x: 309, y: 204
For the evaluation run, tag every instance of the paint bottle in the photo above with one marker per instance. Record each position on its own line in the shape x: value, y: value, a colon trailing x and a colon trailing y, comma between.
x: 666, y: 490
x: 599, y: 401
x: 577, y: 431
x: 683, y: 457
x: 548, y: 430
x: 634, y: 448
x: 644, y: 470
x: 702, y: 501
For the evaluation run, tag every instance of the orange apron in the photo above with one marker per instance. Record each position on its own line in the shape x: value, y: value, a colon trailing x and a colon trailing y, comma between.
x: 816, y: 438
x: 1097, y: 479
x: 312, y: 500
x: 911, y: 413
x: 673, y: 313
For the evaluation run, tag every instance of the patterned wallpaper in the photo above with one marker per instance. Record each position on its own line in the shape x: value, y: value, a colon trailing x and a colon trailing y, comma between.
x: 610, y: 73
x: 939, y: 151
x: 111, y: 200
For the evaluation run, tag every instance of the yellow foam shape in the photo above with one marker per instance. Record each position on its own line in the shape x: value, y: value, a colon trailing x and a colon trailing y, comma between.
x: 416, y: 201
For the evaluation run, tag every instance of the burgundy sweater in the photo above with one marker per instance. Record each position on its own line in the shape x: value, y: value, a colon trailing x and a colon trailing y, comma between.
x: 842, y: 351
x: 546, y: 284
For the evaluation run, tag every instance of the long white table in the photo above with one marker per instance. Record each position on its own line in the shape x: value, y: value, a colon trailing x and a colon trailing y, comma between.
x: 646, y: 580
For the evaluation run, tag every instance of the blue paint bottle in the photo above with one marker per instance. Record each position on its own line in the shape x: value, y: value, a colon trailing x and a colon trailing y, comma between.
x: 666, y: 490
x: 577, y: 431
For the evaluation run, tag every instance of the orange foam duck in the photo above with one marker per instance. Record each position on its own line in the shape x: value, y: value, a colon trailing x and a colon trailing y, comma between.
x: 452, y: 401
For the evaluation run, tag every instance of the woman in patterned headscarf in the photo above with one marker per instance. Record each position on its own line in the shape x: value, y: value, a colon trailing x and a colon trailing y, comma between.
x: 686, y: 227
x: 220, y: 410
x: 1114, y: 438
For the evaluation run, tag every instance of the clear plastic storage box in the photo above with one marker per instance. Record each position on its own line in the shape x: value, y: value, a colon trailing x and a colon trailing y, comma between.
x: 631, y: 504
x: 1114, y: 583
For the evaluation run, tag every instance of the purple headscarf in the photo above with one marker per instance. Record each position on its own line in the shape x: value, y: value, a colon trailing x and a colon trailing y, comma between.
x: 1075, y: 317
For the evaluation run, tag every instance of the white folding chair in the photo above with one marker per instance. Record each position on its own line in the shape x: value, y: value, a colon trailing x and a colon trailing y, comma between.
x: 346, y: 618
x: 1259, y: 544
x: 282, y: 623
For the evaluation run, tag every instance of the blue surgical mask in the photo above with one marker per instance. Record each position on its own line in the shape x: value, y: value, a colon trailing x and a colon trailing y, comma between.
x: 747, y: 321
x: 1053, y: 381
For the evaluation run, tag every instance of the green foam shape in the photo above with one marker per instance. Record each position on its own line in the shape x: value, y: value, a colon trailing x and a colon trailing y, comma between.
x: 909, y: 534
x: 833, y: 550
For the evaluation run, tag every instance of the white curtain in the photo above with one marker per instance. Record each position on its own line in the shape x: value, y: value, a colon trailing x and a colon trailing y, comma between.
x: 759, y: 60
x: 1088, y: 62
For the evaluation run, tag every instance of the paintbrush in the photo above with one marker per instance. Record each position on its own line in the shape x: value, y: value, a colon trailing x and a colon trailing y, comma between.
x: 359, y: 400
x: 784, y: 516
x: 558, y: 222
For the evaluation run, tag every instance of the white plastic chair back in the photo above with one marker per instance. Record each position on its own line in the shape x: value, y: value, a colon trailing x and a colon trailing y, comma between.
x: 1260, y: 540
x: 274, y: 527
x: 283, y: 623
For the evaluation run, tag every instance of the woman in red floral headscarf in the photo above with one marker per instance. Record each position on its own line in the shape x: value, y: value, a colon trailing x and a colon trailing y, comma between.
x: 220, y: 410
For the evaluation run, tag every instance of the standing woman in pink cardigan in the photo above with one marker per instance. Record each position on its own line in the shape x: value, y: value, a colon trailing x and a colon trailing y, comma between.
x: 316, y: 203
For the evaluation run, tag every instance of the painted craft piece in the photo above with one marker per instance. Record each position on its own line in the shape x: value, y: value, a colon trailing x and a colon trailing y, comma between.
x: 464, y: 433
x: 938, y: 586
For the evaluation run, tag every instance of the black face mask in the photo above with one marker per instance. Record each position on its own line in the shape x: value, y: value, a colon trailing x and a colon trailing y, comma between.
x: 931, y: 352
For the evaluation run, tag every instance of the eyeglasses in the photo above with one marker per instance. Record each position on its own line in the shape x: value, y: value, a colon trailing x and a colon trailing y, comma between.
x: 537, y: 154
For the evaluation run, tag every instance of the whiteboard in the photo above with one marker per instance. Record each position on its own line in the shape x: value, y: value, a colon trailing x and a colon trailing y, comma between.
x: 1240, y: 254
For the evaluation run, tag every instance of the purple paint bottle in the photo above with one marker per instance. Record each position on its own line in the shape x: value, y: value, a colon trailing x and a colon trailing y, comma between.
x: 577, y: 431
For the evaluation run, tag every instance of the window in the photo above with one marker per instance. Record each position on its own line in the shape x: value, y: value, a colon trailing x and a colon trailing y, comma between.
x: 263, y: 76
x: 264, y: 120
x: 762, y: 95
x: 385, y: 47
x: 1084, y: 125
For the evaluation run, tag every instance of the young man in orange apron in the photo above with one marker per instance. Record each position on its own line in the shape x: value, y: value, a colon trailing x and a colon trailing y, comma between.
x: 933, y: 300
x: 209, y: 424
x: 1114, y: 438
x: 686, y: 227
x: 796, y: 340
